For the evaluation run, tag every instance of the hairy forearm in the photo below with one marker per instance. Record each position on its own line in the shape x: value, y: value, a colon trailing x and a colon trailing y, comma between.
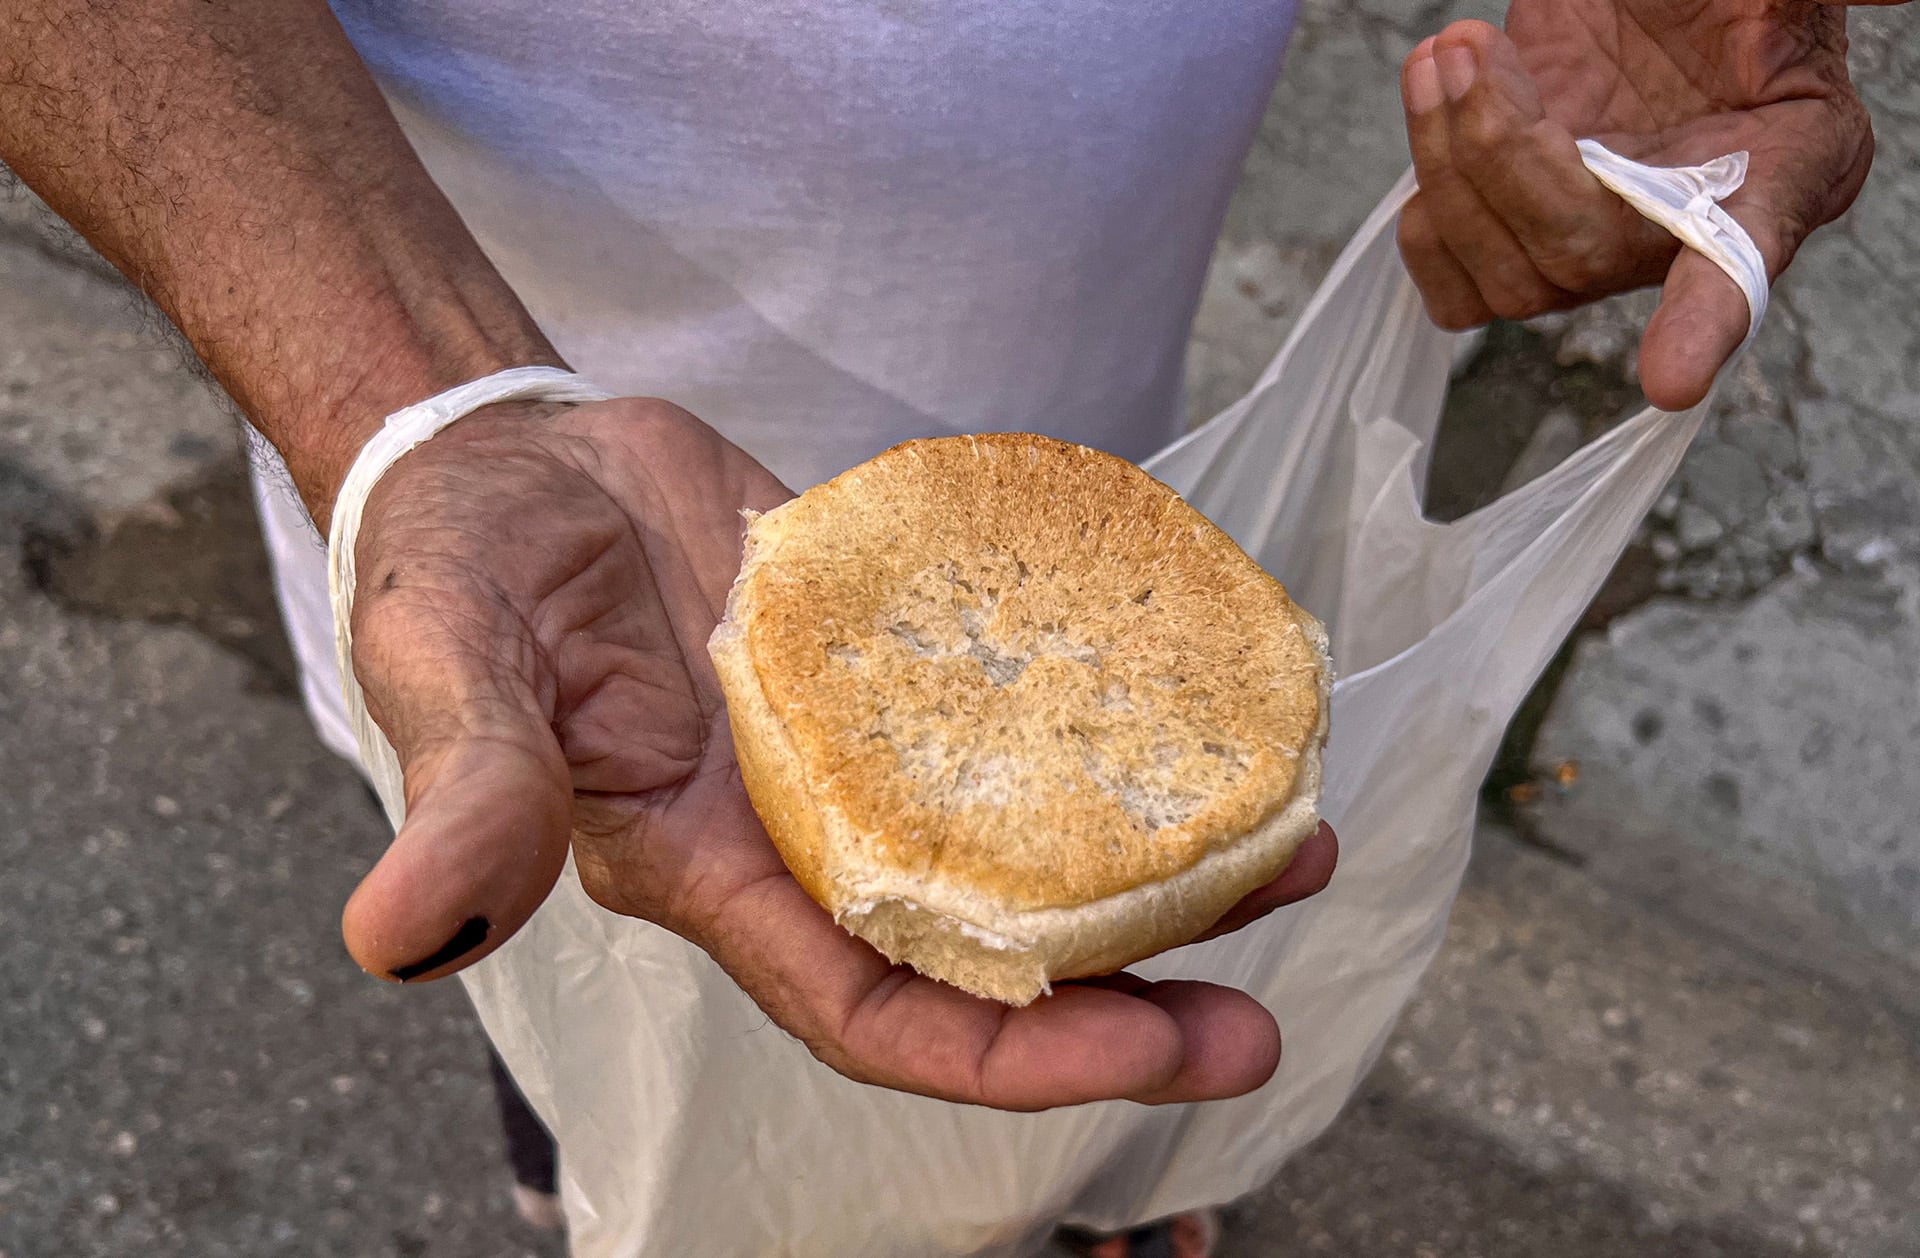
x: 234, y: 159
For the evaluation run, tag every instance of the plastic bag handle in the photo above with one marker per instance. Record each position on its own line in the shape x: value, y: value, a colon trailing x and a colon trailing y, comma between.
x: 402, y: 431
x: 1685, y: 201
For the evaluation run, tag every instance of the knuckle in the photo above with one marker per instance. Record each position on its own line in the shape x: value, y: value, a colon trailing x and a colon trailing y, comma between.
x: 1579, y: 266
x: 385, y: 618
x: 1510, y: 308
x: 413, y: 620
x: 1455, y: 307
x: 1480, y: 135
x: 1457, y: 319
x: 1470, y: 30
x: 1521, y: 302
x: 1416, y: 233
x: 432, y: 667
x: 655, y: 413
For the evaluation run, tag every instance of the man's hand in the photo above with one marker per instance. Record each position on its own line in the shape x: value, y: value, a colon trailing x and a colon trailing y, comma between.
x: 538, y: 582
x: 537, y: 586
x: 1508, y: 223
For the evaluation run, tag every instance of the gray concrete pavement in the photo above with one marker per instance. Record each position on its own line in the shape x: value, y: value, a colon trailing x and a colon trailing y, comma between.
x: 189, y: 1064
x: 1695, y: 1042
x: 1759, y: 732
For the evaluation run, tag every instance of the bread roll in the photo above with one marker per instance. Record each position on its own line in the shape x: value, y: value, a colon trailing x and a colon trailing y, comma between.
x: 1013, y: 712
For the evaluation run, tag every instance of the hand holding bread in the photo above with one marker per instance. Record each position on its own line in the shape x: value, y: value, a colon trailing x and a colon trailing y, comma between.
x: 1015, y: 713
x: 538, y: 588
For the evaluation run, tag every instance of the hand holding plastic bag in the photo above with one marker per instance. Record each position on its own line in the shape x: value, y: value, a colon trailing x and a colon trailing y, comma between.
x: 1510, y: 219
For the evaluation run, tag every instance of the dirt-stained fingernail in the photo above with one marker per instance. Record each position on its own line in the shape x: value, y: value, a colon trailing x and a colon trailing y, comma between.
x: 1423, y: 86
x: 472, y: 933
x: 1458, y: 68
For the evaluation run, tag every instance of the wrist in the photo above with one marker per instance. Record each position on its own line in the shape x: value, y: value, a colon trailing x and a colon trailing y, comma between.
x: 321, y: 411
x: 334, y: 431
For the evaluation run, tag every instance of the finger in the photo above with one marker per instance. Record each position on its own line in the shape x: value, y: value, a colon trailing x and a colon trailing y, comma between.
x: 1306, y: 874
x: 1703, y: 316
x: 1701, y: 321
x: 1232, y: 1042
x: 1527, y: 170
x: 1451, y: 299
x: 886, y: 1025
x: 882, y: 1024
x: 1503, y: 275
x: 488, y: 800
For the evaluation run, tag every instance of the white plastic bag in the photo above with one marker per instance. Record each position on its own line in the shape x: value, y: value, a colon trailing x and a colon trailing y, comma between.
x: 689, y: 1125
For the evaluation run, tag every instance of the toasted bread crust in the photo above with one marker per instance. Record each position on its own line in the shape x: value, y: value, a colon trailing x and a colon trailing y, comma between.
x: 1004, y: 679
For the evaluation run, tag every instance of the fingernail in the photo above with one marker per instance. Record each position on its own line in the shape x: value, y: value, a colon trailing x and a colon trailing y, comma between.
x: 472, y: 933
x: 1423, y: 86
x: 1457, y: 70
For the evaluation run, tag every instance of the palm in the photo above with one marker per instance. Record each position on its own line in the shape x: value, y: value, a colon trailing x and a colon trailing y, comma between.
x: 536, y: 596
x: 1680, y: 84
x: 600, y: 618
x: 624, y: 610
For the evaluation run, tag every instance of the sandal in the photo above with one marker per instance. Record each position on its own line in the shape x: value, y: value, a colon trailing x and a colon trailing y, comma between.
x: 1190, y: 1235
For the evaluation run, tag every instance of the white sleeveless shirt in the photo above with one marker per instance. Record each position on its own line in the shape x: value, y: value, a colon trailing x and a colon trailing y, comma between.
x: 825, y: 226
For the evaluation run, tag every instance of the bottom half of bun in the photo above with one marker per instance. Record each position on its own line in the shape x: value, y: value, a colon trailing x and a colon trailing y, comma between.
x: 1014, y: 955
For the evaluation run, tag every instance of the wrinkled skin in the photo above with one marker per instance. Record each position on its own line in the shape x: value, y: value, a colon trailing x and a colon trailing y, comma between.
x: 1508, y: 222
x: 536, y: 590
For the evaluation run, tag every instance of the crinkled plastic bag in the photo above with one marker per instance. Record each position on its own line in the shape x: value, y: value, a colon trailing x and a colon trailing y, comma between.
x: 689, y: 1125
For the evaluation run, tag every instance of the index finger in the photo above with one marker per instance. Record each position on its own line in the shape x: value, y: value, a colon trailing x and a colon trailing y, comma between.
x: 1703, y: 316
x: 1701, y: 321
x: 1307, y: 874
x: 1527, y: 170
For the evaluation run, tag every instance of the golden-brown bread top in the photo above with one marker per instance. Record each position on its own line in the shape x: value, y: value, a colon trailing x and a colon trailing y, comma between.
x: 1022, y: 667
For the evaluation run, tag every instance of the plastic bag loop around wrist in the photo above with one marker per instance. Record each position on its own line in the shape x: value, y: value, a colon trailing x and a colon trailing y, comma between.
x: 402, y: 431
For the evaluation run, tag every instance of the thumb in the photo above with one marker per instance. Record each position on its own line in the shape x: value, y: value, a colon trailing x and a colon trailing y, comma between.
x: 1703, y: 316
x: 488, y: 795
x: 1701, y: 321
